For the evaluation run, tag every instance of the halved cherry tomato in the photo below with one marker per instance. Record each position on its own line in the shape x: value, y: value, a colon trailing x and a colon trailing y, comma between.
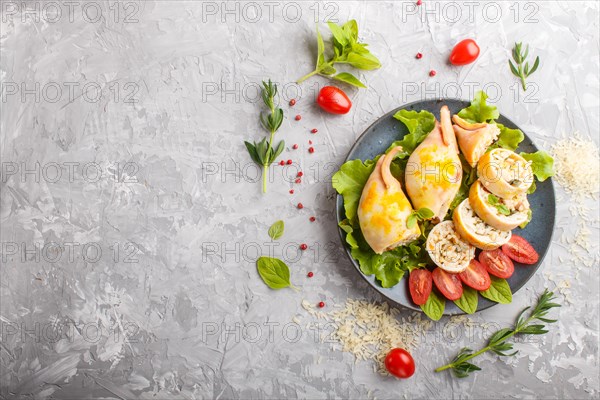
x: 476, y: 276
x: 334, y: 100
x: 419, y: 285
x: 497, y: 263
x: 447, y: 283
x: 400, y: 363
x: 465, y: 52
x: 520, y: 250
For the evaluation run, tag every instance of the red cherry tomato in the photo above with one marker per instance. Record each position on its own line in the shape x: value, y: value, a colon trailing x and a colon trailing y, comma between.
x: 447, y: 283
x: 520, y: 250
x: 334, y: 100
x: 497, y: 263
x: 419, y: 285
x: 465, y: 52
x: 476, y: 276
x: 400, y: 363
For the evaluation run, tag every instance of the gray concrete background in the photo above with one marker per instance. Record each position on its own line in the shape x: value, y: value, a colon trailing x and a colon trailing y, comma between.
x: 128, y: 249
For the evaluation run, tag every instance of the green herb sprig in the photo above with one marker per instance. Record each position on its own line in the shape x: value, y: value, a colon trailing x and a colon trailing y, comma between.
x: 499, y: 344
x: 422, y: 214
x: 263, y: 152
x: 495, y: 201
x: 347, y: 50
x: 522, y: 71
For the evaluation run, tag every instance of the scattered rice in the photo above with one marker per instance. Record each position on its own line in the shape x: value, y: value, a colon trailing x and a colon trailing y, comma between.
x: 576, y: 163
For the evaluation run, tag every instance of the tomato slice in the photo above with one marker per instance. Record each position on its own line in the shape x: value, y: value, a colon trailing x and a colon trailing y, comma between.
x: 419, y: 285
x: 334, y: 100
x: 520, y: 250
x: 465, y: 52
x: 476, y: 276
x: 497, y: 263
x: 447, y: 283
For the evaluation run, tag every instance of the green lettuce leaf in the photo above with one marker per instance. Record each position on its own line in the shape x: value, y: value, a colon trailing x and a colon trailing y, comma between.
x: 419, y: 125
x: 479, y: 111
x: 349, y: 182
x: 542, y: 164
x: 468, y: 178
x: 508, y: 138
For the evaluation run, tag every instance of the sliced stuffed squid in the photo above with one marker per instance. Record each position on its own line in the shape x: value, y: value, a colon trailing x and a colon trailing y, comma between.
x: 384, y: 209
x: 434, y: 172
x: 504, y: 173
x: 474, y: 138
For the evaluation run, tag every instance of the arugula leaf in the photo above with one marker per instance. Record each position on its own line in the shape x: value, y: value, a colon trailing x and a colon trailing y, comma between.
x: 479, y: 111
x: 350, y: 180
x: 349, y: 79
x: 542, y: 164
x: 508, y: 138
x: 435, y: 306
x: 499, y: 291
x: 274, y: 272
x: 276, y: 230
x: 495, y: 201
x: 468, y: 301
x: 419, y: 124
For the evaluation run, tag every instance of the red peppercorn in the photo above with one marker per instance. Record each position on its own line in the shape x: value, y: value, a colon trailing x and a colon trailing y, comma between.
x: 419, y: 56
x: 292, y: 102
x: 314, y: 130
x: 321, y: 304
x: 312, y: 219
x: 419, y: 2
x: 291, y: 191
x: 299, y: 174
x: 300, y: 206
x: 281, y: 162
x: 298, y: 117
x: 289, y: 162
x: 295, y: 146
x: 310, y: 274
x: 298, y: 180
x: 311, y: 149
x: 432, y: 73
x: 303, y: 246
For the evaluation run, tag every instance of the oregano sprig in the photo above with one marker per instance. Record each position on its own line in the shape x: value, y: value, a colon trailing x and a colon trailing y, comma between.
x: 263, y: 152
x: 347, y: 50
x: 521, y: 70
x: 498, y: 342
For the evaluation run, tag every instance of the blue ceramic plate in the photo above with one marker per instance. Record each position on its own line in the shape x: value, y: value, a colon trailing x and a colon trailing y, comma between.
x: 377, y: 138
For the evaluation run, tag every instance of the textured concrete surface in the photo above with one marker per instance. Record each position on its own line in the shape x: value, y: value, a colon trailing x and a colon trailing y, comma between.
x: 131, y: 215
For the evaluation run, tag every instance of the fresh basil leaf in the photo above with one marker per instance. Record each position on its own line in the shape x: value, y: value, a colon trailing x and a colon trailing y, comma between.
x: 252, y: 151
x: 468, y: 301
x: 338, y: 34
x: 274, y: 272
x: 349, y: 181
x: 349, y: 79
x: 499, y: 291
x: 320, y: 48
x: 468, y: 178
x: 327, y: 70
x: 366, y: 61
x: 351, y: 30
x: 425, y: 213
x: 434, y: 307
x: 495, y: 201
x: 276, y: 230
x: 542, y: 164
x: 479, y: 111
x: 508, y: 138
x: 411, y: 220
